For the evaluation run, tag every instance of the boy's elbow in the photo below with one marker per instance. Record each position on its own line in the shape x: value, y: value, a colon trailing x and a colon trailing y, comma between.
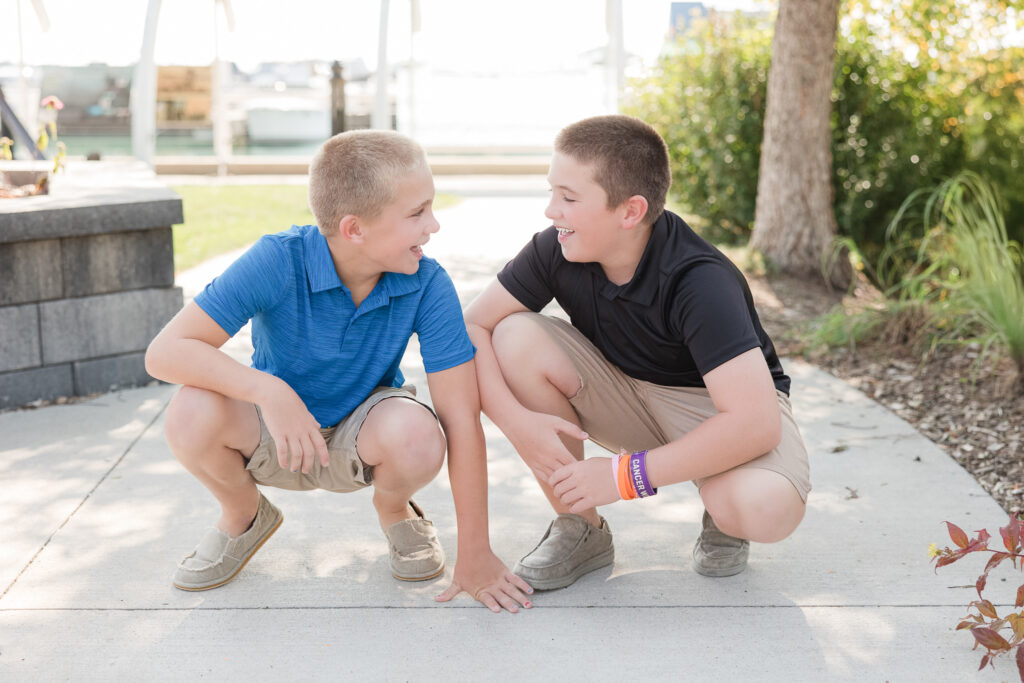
x: 154, y: 359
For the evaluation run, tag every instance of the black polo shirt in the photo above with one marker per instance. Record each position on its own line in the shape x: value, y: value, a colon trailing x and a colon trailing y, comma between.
x: 686, y: 311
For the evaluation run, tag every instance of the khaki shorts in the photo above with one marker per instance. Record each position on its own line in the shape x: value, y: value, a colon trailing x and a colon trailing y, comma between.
x: 620, y: 412
x: 347, y: 471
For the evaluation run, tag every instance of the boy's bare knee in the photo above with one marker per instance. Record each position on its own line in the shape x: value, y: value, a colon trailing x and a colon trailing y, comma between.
x: 512, y: 335
x: 191, y: 414
x: 526, y: 353
x: 405, y: 437
x: 423, y: 449
x: 744, y: 505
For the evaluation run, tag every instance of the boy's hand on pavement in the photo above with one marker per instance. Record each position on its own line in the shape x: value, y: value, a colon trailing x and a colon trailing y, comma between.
x: 585, y: 484
x: 489, y: 581
x: 536, y: 440
x: 295, y: 432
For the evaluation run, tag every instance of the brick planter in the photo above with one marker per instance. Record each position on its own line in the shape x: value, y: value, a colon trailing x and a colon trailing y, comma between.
x: 86, y: 281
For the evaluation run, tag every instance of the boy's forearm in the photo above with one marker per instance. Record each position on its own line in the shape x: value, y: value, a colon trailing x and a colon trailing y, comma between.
x: 195, y: 363
x: 467, y: 472
x: 457, y: 404
x: 718, y: 444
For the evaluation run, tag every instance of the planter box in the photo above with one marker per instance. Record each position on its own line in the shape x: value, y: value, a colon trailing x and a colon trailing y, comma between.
x: 86, y: 281
x: 19, y: 173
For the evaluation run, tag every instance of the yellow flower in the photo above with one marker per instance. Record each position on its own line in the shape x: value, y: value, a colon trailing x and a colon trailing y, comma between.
x: 933, y: 550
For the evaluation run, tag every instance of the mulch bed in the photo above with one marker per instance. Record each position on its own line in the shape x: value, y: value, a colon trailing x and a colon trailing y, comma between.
x: 965, y: 403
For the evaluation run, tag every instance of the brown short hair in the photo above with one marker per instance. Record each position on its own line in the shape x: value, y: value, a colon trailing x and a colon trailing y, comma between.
x: 627, y: 155
x: 357, y: 173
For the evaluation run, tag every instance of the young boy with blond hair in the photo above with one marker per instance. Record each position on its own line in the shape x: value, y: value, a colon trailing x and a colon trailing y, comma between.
x: 323, y: 405
x: 663, y: 362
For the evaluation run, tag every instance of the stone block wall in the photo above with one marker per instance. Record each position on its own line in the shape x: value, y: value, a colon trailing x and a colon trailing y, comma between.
x: 86, y: 281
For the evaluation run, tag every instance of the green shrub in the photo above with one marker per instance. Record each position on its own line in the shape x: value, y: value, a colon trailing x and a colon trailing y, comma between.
x: 891, y: 135
x: 900, y: 122
x: 706, y: 97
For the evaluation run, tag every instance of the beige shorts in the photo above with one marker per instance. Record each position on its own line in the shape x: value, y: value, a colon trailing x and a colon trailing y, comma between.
x: 618, y: 411
x: 347, y: 471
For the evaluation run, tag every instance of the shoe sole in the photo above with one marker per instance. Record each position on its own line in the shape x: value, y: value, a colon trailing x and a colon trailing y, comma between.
x: 594, y: 563
x: 718, y: 573
x: 196, y: 589
x: 418, y: 578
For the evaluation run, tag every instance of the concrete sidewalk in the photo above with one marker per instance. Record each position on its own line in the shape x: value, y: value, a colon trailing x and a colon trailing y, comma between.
x: 95, y: 513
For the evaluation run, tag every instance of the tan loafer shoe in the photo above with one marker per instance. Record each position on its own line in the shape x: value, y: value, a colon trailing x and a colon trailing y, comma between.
x: 717, y: 553
x: 415, y: 553
x: 571, y: 547
x: 218, y: 558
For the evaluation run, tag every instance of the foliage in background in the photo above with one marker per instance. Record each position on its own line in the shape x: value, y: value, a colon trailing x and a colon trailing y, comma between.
x: 707, y: 99
x: 982, y: 618
x: 950, y: 274
x: 220, y: 218
x: 923, y: 90
x: 891, y: 134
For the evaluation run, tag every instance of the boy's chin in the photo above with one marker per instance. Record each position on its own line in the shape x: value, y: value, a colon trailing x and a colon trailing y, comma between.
x: 571, y: 255
x: 406, y: 268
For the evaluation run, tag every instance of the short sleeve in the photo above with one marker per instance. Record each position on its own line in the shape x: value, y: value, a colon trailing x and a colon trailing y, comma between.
x: 444, y: 342
x: 255, y: 282
x: 713, y: 317
x: 529, y: 276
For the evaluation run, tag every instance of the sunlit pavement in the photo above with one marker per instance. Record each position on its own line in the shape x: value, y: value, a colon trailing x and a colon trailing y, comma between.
x: 95, y: 513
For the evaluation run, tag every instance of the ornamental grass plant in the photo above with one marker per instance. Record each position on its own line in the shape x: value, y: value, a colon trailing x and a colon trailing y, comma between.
x: 950, y: 275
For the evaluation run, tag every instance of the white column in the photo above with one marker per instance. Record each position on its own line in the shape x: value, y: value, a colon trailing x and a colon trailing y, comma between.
x: 219, y: 82
x: 615, y: 56
x: 414, y: 28
x: 143, y: 95
x: 381, y: 116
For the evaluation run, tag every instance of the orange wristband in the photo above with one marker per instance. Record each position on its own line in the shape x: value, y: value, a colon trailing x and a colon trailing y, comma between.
x: 623, y: 480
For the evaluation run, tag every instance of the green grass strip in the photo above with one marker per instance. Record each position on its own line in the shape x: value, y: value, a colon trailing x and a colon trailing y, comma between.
x: 220, y: 218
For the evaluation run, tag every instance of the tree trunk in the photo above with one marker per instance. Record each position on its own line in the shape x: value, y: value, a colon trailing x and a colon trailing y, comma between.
x: 794, y: 221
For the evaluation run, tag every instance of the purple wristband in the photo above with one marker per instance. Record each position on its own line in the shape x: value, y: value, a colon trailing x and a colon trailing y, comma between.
x: 638, y: 475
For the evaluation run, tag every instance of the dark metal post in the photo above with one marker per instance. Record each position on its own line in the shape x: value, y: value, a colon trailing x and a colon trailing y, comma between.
x: 21, y: 136
x: 337, y: 99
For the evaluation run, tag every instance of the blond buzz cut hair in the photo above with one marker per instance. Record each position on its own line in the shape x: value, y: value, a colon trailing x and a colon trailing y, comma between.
x: 627, y: 155
x: 357, y: 173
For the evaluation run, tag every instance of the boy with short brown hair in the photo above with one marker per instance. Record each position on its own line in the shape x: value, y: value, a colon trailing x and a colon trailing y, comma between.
x: 323, y: 405
x: 664, y: 363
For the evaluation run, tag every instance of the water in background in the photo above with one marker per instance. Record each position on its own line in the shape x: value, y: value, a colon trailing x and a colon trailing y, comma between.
x: 439, y: 109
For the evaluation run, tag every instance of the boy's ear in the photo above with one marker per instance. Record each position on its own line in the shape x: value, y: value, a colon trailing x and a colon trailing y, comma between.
x: 351, y: 229
x: 634, y: 210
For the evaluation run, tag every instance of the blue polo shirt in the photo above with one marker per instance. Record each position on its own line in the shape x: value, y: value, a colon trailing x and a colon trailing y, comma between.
x: 307, y: 330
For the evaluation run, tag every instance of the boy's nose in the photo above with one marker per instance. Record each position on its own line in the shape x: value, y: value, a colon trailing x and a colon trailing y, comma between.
x: 549, y: 212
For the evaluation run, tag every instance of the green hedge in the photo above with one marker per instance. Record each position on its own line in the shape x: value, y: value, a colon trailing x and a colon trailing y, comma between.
x: 898, y: 124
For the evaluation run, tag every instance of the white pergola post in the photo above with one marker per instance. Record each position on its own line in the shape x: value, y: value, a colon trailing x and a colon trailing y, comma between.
x: 218, y: 106
x: 143, y: 95
x: 381, y: 116
x: 615, y: 56
x: 414, y: 28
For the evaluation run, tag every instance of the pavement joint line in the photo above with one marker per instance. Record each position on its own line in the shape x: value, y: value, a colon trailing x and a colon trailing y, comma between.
x: 325, y: 608
x: 88, y: 495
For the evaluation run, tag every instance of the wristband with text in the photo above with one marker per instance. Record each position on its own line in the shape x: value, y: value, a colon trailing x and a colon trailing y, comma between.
x: 630, y: 474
